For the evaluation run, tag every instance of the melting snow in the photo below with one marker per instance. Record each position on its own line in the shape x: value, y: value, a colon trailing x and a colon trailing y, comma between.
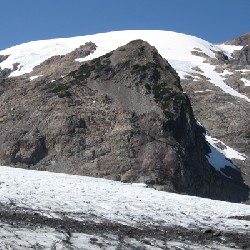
x: 220, y: 155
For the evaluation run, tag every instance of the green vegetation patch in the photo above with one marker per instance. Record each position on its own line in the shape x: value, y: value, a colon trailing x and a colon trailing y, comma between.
x: 60, y: 89
x: 97, y: 65
x: 149, y: 70
x: 168, y: 98
x: 80, y: 76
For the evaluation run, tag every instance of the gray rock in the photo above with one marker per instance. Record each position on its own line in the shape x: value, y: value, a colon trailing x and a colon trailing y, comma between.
x: 122, y: 116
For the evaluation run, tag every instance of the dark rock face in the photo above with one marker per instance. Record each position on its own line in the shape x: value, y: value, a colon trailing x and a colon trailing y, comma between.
x: 122, y: 116
x: 3, y: 57
x: 243, y: 56
x: 7, y: 72
x: 243, y: 40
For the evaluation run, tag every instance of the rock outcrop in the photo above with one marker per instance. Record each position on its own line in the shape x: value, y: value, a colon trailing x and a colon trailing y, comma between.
x: 241, y: 57
x: 122, y: 116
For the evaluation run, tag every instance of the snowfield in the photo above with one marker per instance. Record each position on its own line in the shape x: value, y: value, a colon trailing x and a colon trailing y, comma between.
x: 60, y: 196
x: 129, y: 204
x: 177, y: 48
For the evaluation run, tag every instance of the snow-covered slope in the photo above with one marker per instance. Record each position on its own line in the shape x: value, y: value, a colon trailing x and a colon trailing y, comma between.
x: 179, y: 49
x: 130, y: 204
x: 61, y: 196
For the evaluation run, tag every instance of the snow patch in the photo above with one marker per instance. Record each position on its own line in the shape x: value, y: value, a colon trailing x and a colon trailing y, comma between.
x: 243, y: 70
x: 202, y: 91
x: 217, y: 80
x: 35, y: 77
x: 220, y: 158
x: 246, y: 82
x: 227, y: 151
x: 228, y: 49
x: 226, y: 72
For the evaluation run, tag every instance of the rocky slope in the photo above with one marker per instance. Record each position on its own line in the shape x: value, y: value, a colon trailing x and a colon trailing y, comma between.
x: 121, y: 116
x: 224, y: 115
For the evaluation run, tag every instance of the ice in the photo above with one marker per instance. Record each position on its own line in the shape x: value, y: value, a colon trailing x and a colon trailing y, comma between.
x: 177, y: 48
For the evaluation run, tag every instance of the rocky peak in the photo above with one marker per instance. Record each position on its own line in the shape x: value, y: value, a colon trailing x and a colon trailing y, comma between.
x: 243, y: 40
x: 122, y: 116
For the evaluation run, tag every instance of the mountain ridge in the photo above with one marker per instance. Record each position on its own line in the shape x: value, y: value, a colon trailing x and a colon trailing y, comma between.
x: 195, y: 60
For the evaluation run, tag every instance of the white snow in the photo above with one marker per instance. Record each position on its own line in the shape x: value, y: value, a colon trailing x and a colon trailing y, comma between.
x: 226, y: 72
x: 217, y: 80
x: 177, y: 48
x: 243, y: 70
x: 219, y: 158
x: 246, y: 82
x: 86, y: 198
x: 221, y: 154
x: 227, y: 151
x: 202, y: 91
x: 228, y: 49
x: 35, y: 77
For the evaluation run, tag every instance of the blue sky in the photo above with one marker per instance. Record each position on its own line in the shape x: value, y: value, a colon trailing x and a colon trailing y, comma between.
x: 212, y: 20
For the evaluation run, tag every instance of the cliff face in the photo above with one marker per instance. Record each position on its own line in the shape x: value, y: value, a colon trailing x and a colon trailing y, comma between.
x: 122, y: 116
